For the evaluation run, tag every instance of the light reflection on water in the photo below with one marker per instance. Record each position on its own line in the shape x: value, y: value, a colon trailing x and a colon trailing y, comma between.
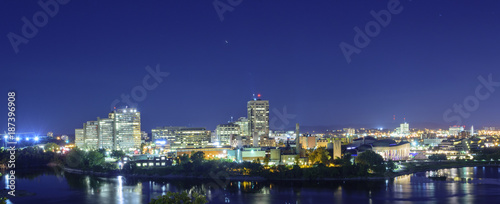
x: 462, y: 185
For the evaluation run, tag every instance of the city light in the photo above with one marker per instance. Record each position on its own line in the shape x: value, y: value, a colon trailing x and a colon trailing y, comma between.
x: 36, y: 138
x: 17, y: 138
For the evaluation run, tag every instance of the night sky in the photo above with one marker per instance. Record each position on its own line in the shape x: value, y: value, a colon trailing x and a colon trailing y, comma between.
x: 426, y: 59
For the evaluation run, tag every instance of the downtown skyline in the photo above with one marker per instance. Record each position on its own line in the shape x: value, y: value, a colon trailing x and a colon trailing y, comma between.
x: 427, y: 59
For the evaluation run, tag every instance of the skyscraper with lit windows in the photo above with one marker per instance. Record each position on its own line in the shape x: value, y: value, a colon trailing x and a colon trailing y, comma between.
x: 127, y: 128
x: 258, y: 119
x: 120, y: 131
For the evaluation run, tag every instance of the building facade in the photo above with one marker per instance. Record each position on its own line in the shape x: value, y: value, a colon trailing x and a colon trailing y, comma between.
x: 105, y: 132
x: 191, y: 138
x: 244, y: 128
x: 258, y: 119
x: 165, y: 134
x: 120, y: 131
x: 226, y: 131
x: 79, y: 138
x: 90, y: 131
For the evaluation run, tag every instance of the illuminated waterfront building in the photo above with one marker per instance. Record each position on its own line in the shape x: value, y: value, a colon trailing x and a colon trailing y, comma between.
x: 90, y: 132
x: 127, y: 128
x: 122, y: 131
x: 105, y: 133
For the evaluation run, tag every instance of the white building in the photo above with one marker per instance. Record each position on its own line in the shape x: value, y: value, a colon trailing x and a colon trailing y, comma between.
x: 455, y: 130
x: 258, y: 117
x: 404, y: 128
x: 122, y: 130
x: 226, y: 131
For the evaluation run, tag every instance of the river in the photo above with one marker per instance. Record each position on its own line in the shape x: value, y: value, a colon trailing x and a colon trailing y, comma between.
x: 463, y: 185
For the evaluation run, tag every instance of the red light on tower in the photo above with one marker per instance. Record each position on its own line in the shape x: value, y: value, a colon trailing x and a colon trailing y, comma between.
x: 258, y: 95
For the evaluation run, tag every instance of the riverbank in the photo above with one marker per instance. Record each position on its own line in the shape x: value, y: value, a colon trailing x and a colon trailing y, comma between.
x: 411, y: 168
x: 230, y: 178
x: 417, y: 167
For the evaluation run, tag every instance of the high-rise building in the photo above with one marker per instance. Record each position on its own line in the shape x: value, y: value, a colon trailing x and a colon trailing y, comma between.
x: 127, y: 128
x: 297, y: 139
x: 90, y: 131
x: 122, y: 131
x: 50, y: 134
x: 79, y: 138
x: 105, y: 133
x: 226, y: 131
x: 258, y: 118
x: 404, y: 128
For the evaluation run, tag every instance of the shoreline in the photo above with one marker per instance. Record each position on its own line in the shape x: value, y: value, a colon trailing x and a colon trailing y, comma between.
x: 427, y: 167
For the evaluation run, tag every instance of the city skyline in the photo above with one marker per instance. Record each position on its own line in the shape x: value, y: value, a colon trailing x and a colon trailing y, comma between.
x: 78, y: 64
x: 394, y: 125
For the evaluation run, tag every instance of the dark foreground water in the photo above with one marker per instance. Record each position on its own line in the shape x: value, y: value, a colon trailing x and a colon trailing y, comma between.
x: 463, y: 185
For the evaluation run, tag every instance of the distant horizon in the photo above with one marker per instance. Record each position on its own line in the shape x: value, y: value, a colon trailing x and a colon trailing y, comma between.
x: 330, y: 63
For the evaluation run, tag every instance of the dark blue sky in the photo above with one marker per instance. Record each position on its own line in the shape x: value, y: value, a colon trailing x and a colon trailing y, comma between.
x: 425, y: 60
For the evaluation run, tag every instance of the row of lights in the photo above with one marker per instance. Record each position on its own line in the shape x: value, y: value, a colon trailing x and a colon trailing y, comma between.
x: 18, y: 138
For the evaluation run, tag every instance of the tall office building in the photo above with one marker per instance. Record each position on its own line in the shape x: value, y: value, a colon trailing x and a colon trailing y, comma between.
x: 79, y: 138
x: 404, y: 128
x: 91, y: 136
x: 226, y: 131
x: 127, y: 126
x: 122, y: 130
x: 297, y: 139
x: 258, y: 118
x: 105, y: 133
